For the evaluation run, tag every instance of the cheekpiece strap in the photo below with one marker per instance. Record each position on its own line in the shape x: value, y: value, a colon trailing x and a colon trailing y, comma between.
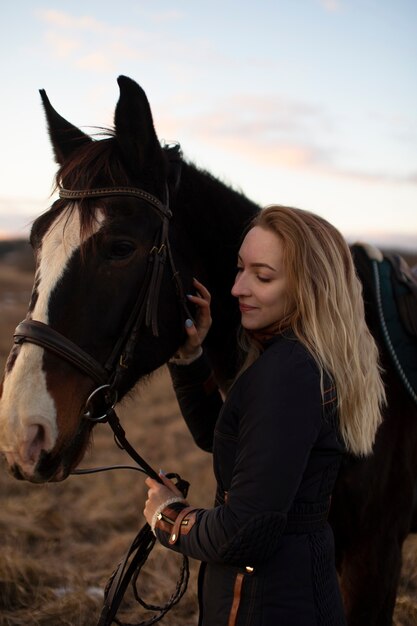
x: 78, y: 194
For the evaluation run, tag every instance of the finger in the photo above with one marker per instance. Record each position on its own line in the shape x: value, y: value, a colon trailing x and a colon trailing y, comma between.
x: 167, y: 482
x: 202, y: 289
x: 196, y: 333
x: 203, y: 307
x: 198, y: 301
x: 192, y: 332
x: 202, y: 294
x: 171, y: 486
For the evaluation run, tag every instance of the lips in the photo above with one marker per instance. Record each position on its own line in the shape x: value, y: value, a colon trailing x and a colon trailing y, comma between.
x: 245, y: 308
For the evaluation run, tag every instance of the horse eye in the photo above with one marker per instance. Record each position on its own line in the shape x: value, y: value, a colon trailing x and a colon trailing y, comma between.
x: 121, y: 249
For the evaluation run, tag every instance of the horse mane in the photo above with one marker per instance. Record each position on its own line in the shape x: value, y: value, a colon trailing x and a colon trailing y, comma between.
x: 100, y: 163
x: 94, y: 164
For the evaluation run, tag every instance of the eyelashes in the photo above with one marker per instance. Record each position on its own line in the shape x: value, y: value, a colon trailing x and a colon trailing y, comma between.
x: 262, y: 279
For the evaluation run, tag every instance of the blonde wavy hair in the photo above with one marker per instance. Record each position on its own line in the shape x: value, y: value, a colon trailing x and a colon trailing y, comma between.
x: 327, y: 316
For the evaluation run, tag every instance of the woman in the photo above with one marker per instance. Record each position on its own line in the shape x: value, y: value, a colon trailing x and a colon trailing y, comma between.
x: 308, y: 390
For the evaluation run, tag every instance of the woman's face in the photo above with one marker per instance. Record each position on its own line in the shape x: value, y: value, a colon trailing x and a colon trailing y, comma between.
x: 261, y: 281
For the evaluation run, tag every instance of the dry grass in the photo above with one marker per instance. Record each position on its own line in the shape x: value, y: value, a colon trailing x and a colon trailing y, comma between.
x: 60, y: 542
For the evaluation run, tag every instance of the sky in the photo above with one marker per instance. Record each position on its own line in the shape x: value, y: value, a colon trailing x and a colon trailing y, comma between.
x: 308, y: 103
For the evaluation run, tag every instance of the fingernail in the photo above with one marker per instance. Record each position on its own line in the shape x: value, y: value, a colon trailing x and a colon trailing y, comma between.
x: 189, y: 323
x: 162, y: 472
x: 190, y: 295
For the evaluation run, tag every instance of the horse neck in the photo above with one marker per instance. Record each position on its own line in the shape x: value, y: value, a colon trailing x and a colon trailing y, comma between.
x: 214, y: 217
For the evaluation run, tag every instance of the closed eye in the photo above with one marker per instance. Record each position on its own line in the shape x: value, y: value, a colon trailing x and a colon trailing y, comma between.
x: 264, y: 279
x: 120, y: 250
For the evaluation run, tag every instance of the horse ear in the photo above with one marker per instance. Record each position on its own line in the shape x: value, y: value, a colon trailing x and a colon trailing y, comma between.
x: 133, y: 123
x: 65, y: 137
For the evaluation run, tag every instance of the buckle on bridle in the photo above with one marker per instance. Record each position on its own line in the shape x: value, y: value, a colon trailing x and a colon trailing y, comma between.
x: 110, y: 399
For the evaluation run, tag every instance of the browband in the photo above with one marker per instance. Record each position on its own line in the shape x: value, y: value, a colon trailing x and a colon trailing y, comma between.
x: 78, y: 194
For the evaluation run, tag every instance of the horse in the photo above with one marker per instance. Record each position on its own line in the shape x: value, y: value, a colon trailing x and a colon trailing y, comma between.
x: 115, y: 255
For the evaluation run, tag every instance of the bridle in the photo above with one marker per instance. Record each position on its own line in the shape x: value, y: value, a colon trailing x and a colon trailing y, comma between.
x: 108, y: 378
x: 144, y: 311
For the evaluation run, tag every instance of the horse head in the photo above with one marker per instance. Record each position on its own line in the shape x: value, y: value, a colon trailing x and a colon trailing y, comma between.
x: 107, y: 306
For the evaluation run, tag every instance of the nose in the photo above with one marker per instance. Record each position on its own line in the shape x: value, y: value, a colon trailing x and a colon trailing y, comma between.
x: 32, y: 446
x: 240, y: 286
x: 37, y: 439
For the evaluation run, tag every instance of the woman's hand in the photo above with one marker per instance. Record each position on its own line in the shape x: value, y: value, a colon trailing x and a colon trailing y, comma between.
x: 196, y: 332
x: 158, y: 494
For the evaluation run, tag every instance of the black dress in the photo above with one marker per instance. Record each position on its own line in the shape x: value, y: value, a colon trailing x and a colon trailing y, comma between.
x: 266, y: 547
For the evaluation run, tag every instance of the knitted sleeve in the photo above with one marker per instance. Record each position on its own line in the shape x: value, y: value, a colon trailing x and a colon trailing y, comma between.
x: 199, y: 399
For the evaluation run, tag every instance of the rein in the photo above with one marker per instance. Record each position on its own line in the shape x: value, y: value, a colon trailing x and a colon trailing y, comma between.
x: 108, y: 377
x: 129, y: 568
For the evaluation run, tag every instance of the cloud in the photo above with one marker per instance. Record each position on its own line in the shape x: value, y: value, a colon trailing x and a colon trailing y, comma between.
x: 167, y: 16
x: 95, y: 61
x: 59, y: 19
x: 92, y: 45
x: 270, y: 154
x: 270, y: 130
x: 254, y: 116
x: 412, y: 178
x: 331, y: 5
x: 281, y: 133
x: 263, y: 121
x: 63, y: 47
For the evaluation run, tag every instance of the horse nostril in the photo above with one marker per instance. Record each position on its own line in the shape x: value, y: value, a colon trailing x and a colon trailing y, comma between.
x: 16, y: 473
x: 34, y: 444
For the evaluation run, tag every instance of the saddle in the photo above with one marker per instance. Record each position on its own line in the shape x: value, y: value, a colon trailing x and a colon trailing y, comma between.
x: 390, y: 292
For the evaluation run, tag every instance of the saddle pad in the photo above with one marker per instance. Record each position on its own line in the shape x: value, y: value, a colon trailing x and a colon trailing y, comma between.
x: 389, y: 283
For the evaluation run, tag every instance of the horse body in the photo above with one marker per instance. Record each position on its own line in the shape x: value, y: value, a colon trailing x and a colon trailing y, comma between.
x: 371, y: 512
x: 92, y: 259
x: 373, y: 503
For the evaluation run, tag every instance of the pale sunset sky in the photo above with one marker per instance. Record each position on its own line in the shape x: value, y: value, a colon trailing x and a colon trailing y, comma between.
x: 309, y: 103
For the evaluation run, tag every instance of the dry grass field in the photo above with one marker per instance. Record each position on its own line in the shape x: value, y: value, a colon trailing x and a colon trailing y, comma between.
x: 60, y: 542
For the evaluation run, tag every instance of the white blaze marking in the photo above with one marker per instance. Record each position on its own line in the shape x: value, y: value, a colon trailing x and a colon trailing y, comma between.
x: 26, y: 400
